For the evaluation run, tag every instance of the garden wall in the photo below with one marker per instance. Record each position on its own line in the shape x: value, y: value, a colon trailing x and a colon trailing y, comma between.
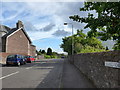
x: 93, y: 66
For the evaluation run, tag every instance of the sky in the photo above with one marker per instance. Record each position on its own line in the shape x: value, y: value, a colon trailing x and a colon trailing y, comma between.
x: 44, y: 21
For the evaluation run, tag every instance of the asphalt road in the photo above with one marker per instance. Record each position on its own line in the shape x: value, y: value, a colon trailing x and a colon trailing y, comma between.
x: 53, y: 73
x: 40, y: 74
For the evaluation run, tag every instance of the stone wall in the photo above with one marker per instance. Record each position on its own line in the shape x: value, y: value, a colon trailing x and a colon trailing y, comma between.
x: 93, y: 66
x: 32, y: 50
x: 40, y: 57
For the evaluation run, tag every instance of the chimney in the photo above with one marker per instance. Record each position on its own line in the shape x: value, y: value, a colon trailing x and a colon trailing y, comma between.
x: 19, y: 24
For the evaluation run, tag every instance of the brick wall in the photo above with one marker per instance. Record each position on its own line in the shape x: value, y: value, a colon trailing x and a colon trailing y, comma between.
x: 93, y: 66
x: 17, y: 43
x: 32, y: 50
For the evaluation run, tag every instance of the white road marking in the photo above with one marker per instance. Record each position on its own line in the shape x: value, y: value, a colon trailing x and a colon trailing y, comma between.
x: 9, y: 75
x: 42, y: 62
x: 30, y: 67
x: 44, y: 67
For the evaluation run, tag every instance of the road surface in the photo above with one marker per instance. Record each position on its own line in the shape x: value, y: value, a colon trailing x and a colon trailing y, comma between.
x: 52, y: 73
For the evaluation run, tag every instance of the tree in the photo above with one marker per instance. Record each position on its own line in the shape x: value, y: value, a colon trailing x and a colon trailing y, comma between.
x: 81, y: 42
x: 40, y: 50
x: 107, y: 48
x: 94, y: 42
x: 38, y: 53
x: 49, y: 51
x: 106, y: 24
x: 67, y: 45
x: 43, y: 52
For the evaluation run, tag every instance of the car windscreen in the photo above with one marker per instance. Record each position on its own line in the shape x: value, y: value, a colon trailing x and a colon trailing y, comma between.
x: 11, y: 56
x: 31, y: 57
x: 27, y: 56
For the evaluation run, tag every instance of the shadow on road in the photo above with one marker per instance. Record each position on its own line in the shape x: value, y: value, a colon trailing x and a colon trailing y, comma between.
x: 64, y: 75
x: 53, y: 78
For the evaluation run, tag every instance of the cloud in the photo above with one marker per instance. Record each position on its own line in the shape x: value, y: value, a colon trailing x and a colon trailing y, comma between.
x: 44, y: 13
x: 11, y: 12
x: 29, y: 26
x: 36, y: 35
x: 42, y: 19
x: 43, y: 1
x: 61, y: 33
x: 48, y: 27
x: 108, y: 43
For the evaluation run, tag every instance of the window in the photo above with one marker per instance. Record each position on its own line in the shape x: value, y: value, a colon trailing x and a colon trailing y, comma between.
x: 11, y: 56
x: 18, y: 56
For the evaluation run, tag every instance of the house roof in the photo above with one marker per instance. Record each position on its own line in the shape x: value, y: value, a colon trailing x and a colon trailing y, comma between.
x: 33, y: 45
x: 15, y: 29
x: 4, y: 28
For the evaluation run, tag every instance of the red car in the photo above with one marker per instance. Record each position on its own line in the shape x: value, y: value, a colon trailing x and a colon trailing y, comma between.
x: 30, y: 59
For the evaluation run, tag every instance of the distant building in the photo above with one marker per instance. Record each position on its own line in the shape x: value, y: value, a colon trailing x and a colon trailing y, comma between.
x: 15, y: 41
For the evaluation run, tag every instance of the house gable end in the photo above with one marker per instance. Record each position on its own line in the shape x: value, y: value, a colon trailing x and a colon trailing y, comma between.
x: 12, y: 32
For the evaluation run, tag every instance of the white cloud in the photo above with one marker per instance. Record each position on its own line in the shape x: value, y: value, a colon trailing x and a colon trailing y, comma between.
x: 108, y: 43
x: 48, y: 27
x: 39, y: 35
x: 61, y: 33
x: 43, y: 0
x: 38, y: 15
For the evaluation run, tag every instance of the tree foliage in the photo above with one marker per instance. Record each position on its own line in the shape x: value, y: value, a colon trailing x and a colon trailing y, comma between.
x: 49, y: 51
x: 107, y: 22
x: 49, y: 54
x: 38, y: 52
x: 43, y: 52
x: 81, y: 42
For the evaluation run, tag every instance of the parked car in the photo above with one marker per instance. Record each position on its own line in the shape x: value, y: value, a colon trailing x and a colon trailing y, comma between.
x: 15, y: 60
x: 30, y: 59
x: 62, y: 56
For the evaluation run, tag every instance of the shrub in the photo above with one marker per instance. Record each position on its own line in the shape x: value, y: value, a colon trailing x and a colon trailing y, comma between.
x: 47, y: 56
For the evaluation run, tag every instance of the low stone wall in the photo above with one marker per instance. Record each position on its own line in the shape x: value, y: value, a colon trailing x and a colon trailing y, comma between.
x: 3, y: 57
x: 93, y: 66
x: 40, y: 57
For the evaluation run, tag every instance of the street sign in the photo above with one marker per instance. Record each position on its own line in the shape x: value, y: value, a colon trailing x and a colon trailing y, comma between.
x: 112, y: 64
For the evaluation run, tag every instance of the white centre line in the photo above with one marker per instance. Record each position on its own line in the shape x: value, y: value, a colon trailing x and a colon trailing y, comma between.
x: 9, y: 75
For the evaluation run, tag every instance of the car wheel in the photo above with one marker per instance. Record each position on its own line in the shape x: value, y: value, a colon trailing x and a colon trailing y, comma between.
x: 18, y: 63
x: 24, y: 62
x: 7, y: 64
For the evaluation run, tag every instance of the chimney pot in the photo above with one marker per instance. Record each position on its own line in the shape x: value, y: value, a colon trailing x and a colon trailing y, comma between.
x: 19, y: 24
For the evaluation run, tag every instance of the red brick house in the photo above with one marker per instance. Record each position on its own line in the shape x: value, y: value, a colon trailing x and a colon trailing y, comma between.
x: 15, y: 41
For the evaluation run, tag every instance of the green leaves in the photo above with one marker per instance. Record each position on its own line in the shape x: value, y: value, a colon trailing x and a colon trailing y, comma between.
x: 81, y: 43
x: 49, y: 51
x: 108, y: 17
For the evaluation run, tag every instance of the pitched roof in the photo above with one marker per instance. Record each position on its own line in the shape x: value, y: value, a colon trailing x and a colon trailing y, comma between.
x: 15, y: 29
x: 4, y: 28
x: 33, y: 45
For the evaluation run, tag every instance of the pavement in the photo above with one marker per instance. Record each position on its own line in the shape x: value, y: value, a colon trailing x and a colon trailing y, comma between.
x: 73, y: 78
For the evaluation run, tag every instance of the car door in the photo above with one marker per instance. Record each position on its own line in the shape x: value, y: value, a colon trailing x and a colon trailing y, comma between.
x: 19, y: 59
